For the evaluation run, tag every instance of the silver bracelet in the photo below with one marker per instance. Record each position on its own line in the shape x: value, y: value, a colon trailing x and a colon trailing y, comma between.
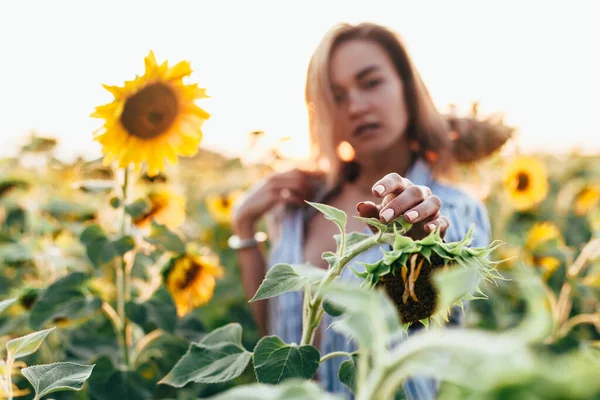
x: 236, y: 243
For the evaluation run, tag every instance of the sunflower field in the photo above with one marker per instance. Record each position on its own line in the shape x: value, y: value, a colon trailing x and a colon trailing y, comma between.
x: 116, y: 280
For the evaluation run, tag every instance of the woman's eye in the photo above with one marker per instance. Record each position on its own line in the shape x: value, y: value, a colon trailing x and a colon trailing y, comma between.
x: 371, y: 83
x: 338, y: 98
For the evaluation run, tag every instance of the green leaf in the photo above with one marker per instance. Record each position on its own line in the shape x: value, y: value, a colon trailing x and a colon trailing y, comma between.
x: 158, y: 312
x: 331, y: 258
x: 218, y: 357
x: 292, y: 389
x: 332, y: 214
x: 333, y: 309
x: 283, y: 278
x: 137, y: 208
x: 115, y: 202
x: 100, y: 249
x: 109, y: 383
x: 91, y: 234
x: 275, y: 361
x: 374, y: 222
x: 50, y: 378
x: 161, y: 236
x: 4, y: 304
x: 26, y: 345
x: 347, y: 373
x: 64, y: 299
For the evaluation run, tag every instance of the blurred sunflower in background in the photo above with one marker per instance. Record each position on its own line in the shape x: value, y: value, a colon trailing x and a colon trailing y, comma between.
x: 587, y: 199
x: 191, y: 279
x: 220, y: 205
x: 526, y: 181
x: 540, y: 246
x: 152, y: 117
x: 164, y: 207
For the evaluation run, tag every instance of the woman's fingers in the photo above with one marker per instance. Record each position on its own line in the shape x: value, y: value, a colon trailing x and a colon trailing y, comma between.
x: 440, y: 224
x: 391, y: 183
x: 412, y: 203
x: 424, y: 210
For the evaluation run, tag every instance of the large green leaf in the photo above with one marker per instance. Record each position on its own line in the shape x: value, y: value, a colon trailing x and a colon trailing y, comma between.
x: 157, y: 312
x: 347, y: 373
x: 292, y: 389
x: 275, y: 361
x: 100, y: 248
x: 64, y: 299
x: 26, y: 345
x: 50, y: 378
x: 162, y: 237
x: 110, y: 383
x: 283, y: 278
x: 333, y: 214
x: 218, y: 357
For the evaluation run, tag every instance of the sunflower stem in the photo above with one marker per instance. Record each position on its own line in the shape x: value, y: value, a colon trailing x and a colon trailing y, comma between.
x: 315, y: 311
x: 123, y: 274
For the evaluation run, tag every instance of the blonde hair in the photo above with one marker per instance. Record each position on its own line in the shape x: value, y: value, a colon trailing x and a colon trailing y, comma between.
x: 427, y: 129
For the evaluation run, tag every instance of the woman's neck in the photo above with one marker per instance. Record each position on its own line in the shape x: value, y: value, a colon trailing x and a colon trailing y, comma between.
x: 398, y: 158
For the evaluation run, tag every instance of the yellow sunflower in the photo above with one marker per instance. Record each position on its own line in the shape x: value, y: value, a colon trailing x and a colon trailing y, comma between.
x: 152, y: 117
x: 541, y: 234
x: 526, y: 181
x: 166, y: 208
x: 219, y: 205
x: 586, y: 199
x: 191, y: 280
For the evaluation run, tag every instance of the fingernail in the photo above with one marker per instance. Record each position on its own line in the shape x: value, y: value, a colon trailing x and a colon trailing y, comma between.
x: 412, y: 215
x: 359, y: 205
x: 387, y: 214
x: 379, y: 189
x: 431, y: 227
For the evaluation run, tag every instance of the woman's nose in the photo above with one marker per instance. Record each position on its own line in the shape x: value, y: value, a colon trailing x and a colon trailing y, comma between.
x: 357, y: 104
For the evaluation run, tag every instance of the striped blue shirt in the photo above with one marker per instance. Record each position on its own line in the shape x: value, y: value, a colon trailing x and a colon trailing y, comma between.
x: 285, y: 312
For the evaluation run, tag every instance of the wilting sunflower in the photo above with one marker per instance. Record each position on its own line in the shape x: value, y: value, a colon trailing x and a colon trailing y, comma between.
x: 165, y: 207
x: 152, y: 117
x: 542, y: 234
x: 526, y: 181
x: 191, y: 280
x: 586, y: 199
x: 219, y: 205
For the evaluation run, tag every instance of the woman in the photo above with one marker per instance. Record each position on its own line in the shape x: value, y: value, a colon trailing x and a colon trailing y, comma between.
x: 362, y: 89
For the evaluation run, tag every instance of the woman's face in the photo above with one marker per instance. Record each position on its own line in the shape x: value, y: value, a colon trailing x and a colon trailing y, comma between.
x: 372, y: 113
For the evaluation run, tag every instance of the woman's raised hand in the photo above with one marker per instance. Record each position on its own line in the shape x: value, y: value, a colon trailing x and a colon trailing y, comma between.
x: 401, y: 198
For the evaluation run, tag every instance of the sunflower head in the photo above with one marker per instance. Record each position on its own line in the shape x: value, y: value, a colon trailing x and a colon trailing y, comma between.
x: 220, y: 205
x: 165, y: 207
x: 152, y: 118
x: 541, y: 247
x: 406, y: 272
x: 587, y: 199
x: 541, y: 233
x: 191, y: 279
x: 527, y: 182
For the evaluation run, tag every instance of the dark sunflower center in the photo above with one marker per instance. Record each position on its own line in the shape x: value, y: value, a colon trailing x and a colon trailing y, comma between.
x: 190, y: 276
x: 522, y: 181
x: 150, y: 112
x: 225, y: 202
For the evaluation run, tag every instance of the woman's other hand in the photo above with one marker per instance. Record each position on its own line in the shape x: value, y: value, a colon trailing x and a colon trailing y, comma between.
x: 401, y: 198
x: 291, y: 187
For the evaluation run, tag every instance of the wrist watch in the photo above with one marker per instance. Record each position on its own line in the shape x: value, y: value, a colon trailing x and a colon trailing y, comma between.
x: 236, y: 243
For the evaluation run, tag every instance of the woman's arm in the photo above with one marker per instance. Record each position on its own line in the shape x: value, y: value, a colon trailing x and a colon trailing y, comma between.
x: 252, y: 269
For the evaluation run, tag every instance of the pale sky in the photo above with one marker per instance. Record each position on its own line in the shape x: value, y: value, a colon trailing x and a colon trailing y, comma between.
x: 537, y: 62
